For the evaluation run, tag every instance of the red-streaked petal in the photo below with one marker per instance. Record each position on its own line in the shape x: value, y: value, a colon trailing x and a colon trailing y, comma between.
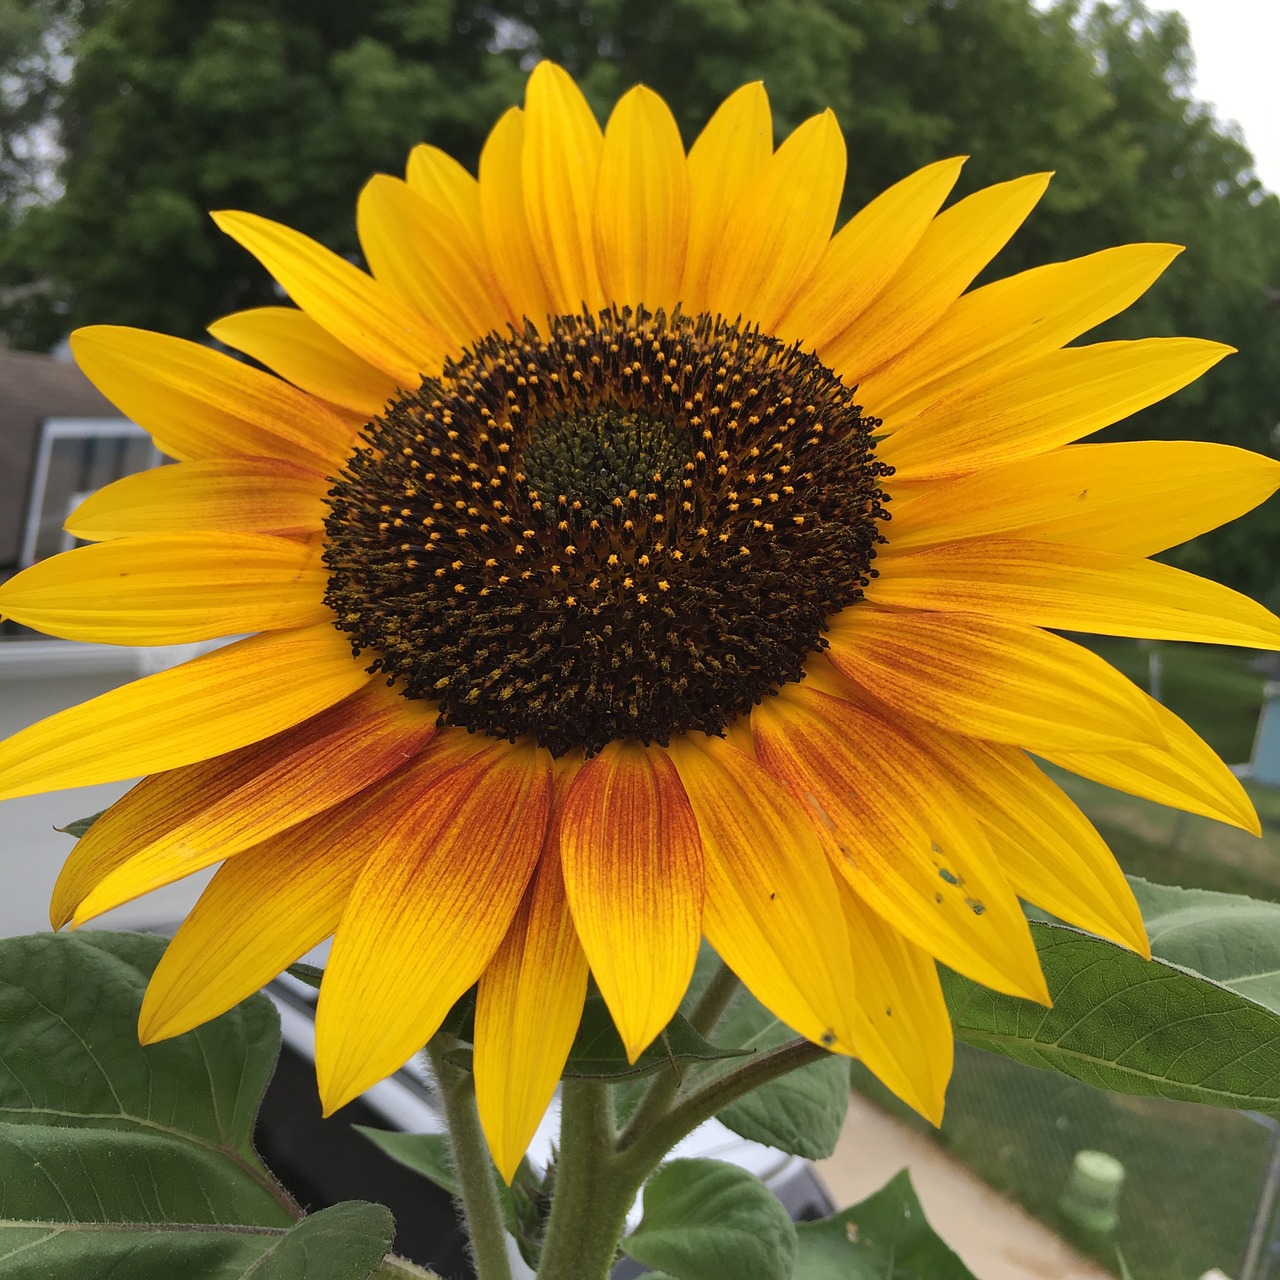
x: 632, y: 864
x: 177, y: 822
x: 227, y: 699
x: 429, y: 911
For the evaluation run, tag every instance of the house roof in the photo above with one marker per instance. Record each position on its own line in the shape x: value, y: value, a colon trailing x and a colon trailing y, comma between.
x: 32, y: 388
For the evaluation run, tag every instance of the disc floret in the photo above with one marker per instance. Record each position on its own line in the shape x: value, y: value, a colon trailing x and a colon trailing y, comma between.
x: 630, y: 526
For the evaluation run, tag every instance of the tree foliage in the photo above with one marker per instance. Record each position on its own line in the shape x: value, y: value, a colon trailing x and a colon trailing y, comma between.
x: 165, y: 109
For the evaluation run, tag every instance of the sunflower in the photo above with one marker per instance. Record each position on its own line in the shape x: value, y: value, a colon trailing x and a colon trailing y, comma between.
x: 577, y: 625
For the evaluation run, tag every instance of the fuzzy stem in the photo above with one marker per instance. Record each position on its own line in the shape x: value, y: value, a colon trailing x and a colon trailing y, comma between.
x: 477, y: 1179
x: 593, y: 1190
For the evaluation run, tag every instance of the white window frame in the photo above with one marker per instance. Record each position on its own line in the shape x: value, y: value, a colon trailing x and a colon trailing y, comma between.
x: 51, y: 431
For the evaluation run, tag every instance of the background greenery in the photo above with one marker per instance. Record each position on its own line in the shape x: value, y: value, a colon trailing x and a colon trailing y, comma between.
x: 122, y: 122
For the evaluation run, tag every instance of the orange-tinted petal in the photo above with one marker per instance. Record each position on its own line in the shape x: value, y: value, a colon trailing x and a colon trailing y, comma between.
x: 897, y: 830
x: 223, y: 700
x: 528, y: 1006
x: 988, y: 679
x: 430, y: 908
x: 262, y: 910
x: 179, y: 821
x: 632, y: 864
x: 1047, y: 848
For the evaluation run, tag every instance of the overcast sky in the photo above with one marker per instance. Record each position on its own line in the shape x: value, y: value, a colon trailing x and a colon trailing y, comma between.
x: 1237, y: 48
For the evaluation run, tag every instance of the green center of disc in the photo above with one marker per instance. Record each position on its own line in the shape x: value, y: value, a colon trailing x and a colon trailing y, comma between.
x: 601, y: 455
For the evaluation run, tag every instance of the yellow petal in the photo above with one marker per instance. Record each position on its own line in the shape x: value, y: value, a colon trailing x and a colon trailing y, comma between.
x: 988, y: 679
x: 1135, y: 498
x: 430, y: 908
x: 259, y: 913
x: 1072, y: 589
x: 528, y: 1006
x: 1012, y: 320
x: 506, y: 229
x: 290, y: 342
x: 203, y: 404
x: 951, y: 253
x: 897, y: 831
x: 560, y: 169
x: 182, y: 820
x: 779, y: 228
x: 771, y: 910
x: 642, y: 204
x: 171, y: 590
x: 1047, y: 849
x: 417, y: 254
x: 214, y: 495
x: 441, y: 181
x: 735, y: 145
x: 1184, y: 773
x: 453, y: 197
x: 632, y: 864
x: 365, y: 317
x: 1043, y: 403
x: 865, y: 255
x: 904, y: 1033
x: 223, y: 700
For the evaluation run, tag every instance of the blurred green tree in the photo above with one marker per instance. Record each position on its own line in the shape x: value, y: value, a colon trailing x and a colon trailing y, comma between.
x: 164, y: 109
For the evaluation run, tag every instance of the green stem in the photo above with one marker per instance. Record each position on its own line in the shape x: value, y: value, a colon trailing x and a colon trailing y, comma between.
x: 650, y: 1144
x: 712, y: 1003
x: 706, y: 1012
x: 395, y: 1267
x: 593, y: 1191
x: 477, y: 1178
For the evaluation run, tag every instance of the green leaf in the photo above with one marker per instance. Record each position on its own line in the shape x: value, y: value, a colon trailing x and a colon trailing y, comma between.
x: 309, y: 973
x: 1232, y: 939
x: 345, y: 1242
x: 886, y: 1237
x: 424, y: 1153
x: 706, y: 1220
x: 1128, y: 1024
x: 80, y: 825
x: 597, y: 1052
x: 123, y: 1160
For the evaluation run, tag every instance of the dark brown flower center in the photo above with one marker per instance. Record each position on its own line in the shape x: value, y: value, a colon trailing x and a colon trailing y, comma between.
x: 633, y: 527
